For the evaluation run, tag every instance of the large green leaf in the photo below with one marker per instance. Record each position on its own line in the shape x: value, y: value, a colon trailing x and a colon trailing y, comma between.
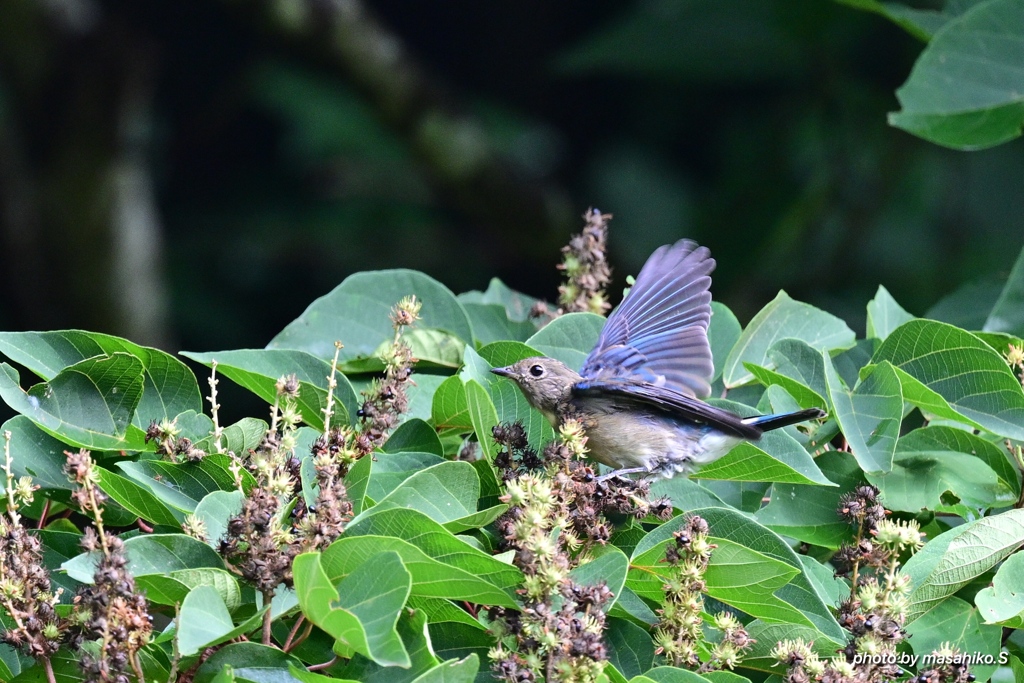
x: 1004, y: 599
x: 171, y: 588
x: 776, y: 456
x: 450, y: 409
x: 204, y: 620
x: 870, y: 415
x: 933, y: 460
x: 766, y: 635
x: 412, y: 629
x: 752, y: 569
x: 965, y: 89
x: 630, y: 648
x: 170, y: 387
x: 215, y: 509
x: 957, y: 375
x: 447, y: 493
x: 89, y: 404
x: 808, y: 513
x: 491, y: 323
x: 258, y: 370
x: 493, y: 580
x: 783, y: 318
x: 516, y: 304
x: 884, y: 314
x: 362, y: 609
x: 388, y: 471
x: 608, y: 565
x: 1008, y: 313
x: 569, y: 338
x: 151, y: 554
x: 798, y: 369
x: 137, y: 499
x: 182, y: 485
x: 414, y: 436
x: 483, y: 415
x: 956, y: 622
x: 723, y: 332
x: 951, y: 560
x: 36, y: 454
x: 249, y: 662
x: 356, y: 313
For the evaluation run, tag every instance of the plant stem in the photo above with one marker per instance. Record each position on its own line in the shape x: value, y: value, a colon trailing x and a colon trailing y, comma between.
x: 48, y: 667
x: 291, y: 634
x: 325, y: 665
x: 267, y: 619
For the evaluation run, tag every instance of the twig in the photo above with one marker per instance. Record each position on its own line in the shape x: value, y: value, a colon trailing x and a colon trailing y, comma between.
x: 325, y: 665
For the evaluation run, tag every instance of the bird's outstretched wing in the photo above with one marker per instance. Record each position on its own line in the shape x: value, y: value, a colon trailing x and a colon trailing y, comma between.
x: 659, y: 333
x: 679, y: 406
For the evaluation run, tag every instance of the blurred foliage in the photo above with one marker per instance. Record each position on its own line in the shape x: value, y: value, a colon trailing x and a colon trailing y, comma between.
x: 758, y: 129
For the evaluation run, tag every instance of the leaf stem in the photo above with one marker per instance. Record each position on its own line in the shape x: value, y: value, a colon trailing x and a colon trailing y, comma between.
x: 291, y: 634
x: 267, y: 618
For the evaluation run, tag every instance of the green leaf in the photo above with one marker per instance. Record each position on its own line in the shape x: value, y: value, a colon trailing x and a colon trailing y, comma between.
x: 389, y: 471
x: 203, y: 621
x: 215, y: 509
x: 870, y: 415
x: 1004, y: 599
x: 484, y: 417
x: 958, y: 376
x: 630, y: 648
x: 569, y: 338
x: 137, y: 499
x: 442, y: 565
x: 415, y: 436
x: 238, y: 438
x: 884, y: 314
x: 89, y: 404
x: 752, y: 570
x: 361, y: 611
x: 798, y: 369
x: 182, y: 485
x: 767, y: 635
x: 723, y: 332
x: 808, y: 513
x: 951, y: 560
x: 776, y: 456
x: 250, y: 662
x: 412, y: 629
x: 608, y: 565
x: 783, y: 318
x: 447, y: 493
x: 1008, y: 313
x: 357, y: 313
x: 452, y: 671
x: 151, y: 554
x: 956, y: 622
x: 670, y: 674
x: 171, y: 588
x: 933, y: 460
x: 259, y: 370
x: 170, y: 387
x: 921, y: 23
x: 491, y: 323
x: 964, y: 89
x: 450, y: 408
x: 36, y: 454
x: 516, y: 304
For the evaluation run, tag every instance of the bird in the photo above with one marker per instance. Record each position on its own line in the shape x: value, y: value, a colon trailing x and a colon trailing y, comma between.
x: 638, y: 395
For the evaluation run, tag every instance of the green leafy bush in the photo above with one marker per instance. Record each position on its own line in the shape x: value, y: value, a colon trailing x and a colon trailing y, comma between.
x: 374, y: 528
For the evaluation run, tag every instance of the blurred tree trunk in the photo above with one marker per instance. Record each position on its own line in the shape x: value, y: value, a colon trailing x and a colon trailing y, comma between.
x: 79, y: 224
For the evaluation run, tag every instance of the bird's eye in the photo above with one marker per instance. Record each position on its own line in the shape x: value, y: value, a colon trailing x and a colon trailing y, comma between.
x: 537, y: 370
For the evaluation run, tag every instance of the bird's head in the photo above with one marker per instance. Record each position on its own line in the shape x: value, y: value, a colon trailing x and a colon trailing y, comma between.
x: 545, y: 382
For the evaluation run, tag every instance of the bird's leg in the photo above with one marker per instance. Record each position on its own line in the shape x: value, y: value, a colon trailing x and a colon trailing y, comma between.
x: 628, y: 470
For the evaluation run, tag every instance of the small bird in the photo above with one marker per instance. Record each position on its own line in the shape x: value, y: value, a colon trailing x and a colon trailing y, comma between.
x: 638, y: 392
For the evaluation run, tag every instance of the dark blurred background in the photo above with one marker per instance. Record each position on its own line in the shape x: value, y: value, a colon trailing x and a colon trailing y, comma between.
x: 193, y: 173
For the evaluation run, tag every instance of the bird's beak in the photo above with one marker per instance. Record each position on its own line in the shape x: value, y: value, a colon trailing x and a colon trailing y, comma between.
x: 504, y: 372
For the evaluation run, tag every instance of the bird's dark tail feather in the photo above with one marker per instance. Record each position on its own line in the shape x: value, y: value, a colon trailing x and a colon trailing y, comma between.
x: 766, y: 423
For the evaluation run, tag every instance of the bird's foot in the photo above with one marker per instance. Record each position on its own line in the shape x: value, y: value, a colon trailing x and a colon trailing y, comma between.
x: 623, y: 473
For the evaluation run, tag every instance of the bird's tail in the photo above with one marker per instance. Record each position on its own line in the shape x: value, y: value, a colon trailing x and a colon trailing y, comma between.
x: 766, y: 423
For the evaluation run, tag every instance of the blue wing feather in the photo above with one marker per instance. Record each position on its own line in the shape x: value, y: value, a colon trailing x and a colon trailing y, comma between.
x: 658, y: 334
